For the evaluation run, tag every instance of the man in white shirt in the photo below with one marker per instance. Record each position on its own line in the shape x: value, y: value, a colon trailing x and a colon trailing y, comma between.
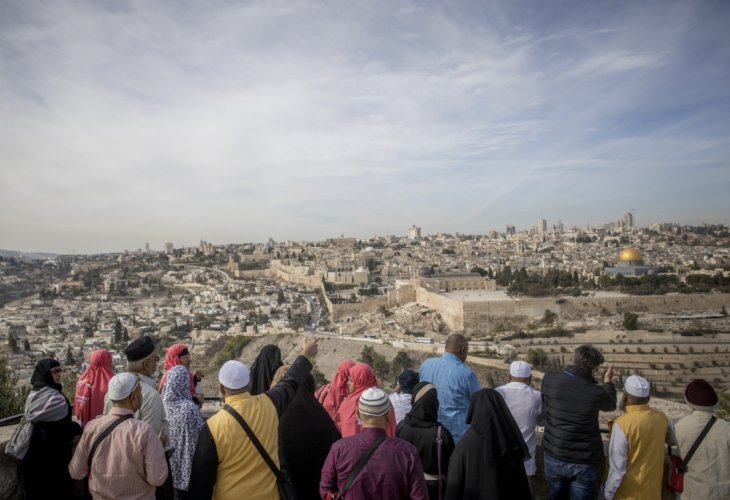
x: 636, y: 447
x: 525, y: 404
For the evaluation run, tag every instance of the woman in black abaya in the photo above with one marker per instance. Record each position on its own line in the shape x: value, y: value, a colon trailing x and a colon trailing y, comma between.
x: 420, y: 428
x: 45, y: 465
x: 488, y: 461
x: 306, y: 433
x: 263, y: 369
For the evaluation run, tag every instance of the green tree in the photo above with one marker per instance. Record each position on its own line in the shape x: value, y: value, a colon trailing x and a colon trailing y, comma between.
x: 537, y: 357
x: 26, y: 345
x: 69, y: 357
x: 280, y: 298
x: 12, y: 343
x: 549, y: 317
x: 12, y: 401
x: 402, y: 361
x: 630, y: 321
x: 476, y: 269
x: 723, y: 407
x: 117, y: 331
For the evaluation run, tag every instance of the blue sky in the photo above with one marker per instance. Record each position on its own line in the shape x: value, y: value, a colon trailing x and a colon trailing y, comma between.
x: 133, y: 122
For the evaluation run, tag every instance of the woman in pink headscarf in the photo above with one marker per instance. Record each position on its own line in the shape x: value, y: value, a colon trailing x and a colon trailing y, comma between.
x: 92, y: 385
x: 360, y: 378
x: 178, y: 354
x: 333, y: 394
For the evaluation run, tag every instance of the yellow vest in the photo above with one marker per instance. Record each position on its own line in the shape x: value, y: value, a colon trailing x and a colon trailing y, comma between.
x: 242, y: 473
x: 646, y: 431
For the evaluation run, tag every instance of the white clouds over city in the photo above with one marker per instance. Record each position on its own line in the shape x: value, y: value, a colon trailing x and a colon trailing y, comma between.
x: 235, y: 121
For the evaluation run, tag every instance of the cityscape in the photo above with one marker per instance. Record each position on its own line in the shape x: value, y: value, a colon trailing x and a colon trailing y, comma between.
x: 457, y: 217
x: 654, y: 298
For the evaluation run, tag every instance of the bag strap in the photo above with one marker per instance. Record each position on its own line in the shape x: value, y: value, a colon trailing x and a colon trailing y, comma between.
x: 103, y: 436
x: 361, y: 463
x: 439, y: 440
x: 254, y: 440
x: 698, y: 441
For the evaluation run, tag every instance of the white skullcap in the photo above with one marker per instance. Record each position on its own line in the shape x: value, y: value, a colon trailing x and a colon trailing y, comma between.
x: 636, y: 386
x: 373, y: 402
x: 234, y: 375
x: 520, y: 369
x: 121, y: 386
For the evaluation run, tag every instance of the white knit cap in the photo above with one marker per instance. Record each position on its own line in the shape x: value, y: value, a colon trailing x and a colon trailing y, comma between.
x: 234, y: 375
x: 373, y: 402
x: 520, y: 369
x: 121, y: 386
x: 636, y: 386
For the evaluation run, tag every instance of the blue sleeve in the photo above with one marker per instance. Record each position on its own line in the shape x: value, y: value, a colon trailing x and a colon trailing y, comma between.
x: 473, y: 382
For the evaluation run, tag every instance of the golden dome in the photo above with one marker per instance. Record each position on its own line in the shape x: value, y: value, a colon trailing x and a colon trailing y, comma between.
x: 629, y: 255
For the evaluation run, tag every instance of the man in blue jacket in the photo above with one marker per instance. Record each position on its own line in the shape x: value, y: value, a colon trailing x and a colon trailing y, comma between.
x: 572, y: 441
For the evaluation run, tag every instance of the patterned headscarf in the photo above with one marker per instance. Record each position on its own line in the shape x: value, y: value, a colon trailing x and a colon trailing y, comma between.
x: 185, y: 423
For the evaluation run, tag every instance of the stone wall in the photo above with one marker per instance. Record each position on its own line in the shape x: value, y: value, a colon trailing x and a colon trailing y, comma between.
x: 451, y: 310
x: 484, y: 315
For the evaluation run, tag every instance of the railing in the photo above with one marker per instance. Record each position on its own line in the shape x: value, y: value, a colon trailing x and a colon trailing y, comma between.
x: 15, y: 418
x: 10, y: 420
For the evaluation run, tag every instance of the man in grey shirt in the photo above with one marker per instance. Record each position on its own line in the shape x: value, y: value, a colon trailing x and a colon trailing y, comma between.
x: 142, y: 359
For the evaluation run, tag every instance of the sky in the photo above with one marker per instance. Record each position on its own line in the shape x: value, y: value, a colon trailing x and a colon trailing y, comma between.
x: 129, y: 122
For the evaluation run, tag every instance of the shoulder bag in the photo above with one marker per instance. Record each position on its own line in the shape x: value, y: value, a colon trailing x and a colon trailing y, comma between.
x: 678, y: 466
x: 356, y: 471
x: 284, y: 482
x: 19, y: 442
x: 439, y: 440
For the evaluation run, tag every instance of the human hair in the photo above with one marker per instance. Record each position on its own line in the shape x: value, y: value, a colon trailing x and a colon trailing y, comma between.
x: 372, y: 420
x: 455, y: 342
x: 635, y: 400
x: 587, y: 357
x: 227, y: 391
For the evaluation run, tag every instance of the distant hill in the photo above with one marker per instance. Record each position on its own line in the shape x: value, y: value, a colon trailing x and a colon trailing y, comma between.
x: 27, y: 255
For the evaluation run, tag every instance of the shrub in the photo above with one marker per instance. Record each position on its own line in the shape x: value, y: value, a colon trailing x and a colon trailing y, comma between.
x: 630, y: 321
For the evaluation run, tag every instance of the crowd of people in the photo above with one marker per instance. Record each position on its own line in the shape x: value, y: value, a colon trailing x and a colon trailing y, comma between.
x: 439, y: 435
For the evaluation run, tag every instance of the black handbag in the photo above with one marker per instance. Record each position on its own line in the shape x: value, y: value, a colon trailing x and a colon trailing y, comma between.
x: 287, y: 489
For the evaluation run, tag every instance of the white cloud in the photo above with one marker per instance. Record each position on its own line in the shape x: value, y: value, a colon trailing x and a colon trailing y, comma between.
x: 298, y: 119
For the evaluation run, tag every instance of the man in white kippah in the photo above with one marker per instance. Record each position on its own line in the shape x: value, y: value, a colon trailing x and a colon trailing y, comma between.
x: 226, y: 464
x: 370, y: 464
x: 525, y: 404
x: 122, y: 456
x: 636, y: 448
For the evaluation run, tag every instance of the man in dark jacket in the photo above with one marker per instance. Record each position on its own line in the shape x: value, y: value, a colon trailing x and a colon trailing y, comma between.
x: 572, y: 441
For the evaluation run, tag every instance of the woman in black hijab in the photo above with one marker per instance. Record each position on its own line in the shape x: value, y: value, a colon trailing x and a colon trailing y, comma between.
x: 263, y: 369
x: 487, y: 462
x: 420, y: 427
x: 306, y: 433
x: 45, y: 465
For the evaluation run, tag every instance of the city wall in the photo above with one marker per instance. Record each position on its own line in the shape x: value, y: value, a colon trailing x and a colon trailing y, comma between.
x: 484, y: 315
x: 281, y: 272
x: 451, y: 310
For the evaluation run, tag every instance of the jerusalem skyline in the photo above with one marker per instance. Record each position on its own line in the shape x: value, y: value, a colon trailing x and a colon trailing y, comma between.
x: 301, y: 121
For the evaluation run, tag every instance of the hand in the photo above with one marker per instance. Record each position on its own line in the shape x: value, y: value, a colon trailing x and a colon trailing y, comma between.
x: 310, y: 348
x: 607, y: 377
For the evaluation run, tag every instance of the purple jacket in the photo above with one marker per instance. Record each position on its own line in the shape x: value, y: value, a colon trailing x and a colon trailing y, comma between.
x: 393, y: 472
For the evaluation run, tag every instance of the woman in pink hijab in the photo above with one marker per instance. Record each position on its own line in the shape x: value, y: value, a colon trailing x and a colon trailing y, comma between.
x: 178, y: 354
x: 360, y: 379
x: 92, y: 385
x: 333, y: 394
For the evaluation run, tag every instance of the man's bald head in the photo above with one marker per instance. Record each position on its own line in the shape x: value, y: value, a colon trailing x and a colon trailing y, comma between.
x: 457, y: 345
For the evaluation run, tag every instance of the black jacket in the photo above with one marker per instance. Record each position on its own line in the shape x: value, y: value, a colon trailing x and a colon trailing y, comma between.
x: 572, y: 400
